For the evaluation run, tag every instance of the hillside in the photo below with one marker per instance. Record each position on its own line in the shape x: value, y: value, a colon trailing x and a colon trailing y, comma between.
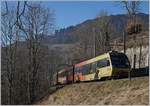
x: 78, y: 42
x: 117, y: 92
x: 119, y: 22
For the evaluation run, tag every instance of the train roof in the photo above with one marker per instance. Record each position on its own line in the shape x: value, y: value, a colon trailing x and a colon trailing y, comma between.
x: 92, y: 60
x: 102, y: 56
x: 65, y: 69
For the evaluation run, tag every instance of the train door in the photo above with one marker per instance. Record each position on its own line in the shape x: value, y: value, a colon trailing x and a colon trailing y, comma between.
x: 103, y: 68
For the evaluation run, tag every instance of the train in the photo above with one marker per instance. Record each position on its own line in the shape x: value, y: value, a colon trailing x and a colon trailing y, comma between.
x: 109, y: 65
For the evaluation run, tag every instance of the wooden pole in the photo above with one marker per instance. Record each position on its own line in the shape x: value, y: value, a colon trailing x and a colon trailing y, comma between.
x: 134, y: 62
x: 57, y: 78
x: 73, y: 75
x: 94, y: 42
x: 124, y: 42
x: 140, y: 56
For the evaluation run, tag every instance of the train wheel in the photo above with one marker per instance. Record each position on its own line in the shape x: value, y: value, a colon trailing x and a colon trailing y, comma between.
x: 108, y: 78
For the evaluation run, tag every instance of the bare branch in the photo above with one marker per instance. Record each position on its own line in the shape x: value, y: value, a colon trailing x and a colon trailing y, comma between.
x: 132, y: 7
x: 20, y: 14
x: 6, y: 7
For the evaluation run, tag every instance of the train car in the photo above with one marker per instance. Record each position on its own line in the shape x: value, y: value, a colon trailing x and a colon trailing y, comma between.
x: 109, y: 65
x: 65, y: 75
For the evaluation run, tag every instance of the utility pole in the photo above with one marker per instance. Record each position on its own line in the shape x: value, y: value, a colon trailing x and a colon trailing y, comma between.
x: 124, y: 42
x: 73, y: 69
x: 73, y: 73
x: 57, y: 78
x: 94, y: 42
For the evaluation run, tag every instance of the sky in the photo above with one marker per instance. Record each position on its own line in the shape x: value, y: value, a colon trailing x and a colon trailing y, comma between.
x: 68, y: 13
x: 72, y: 13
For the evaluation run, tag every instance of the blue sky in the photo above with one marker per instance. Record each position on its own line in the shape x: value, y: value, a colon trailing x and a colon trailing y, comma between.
x: 75, y: 12
x: 72, y: 13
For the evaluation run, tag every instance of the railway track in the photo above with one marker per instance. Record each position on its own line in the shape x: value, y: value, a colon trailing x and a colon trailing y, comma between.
x: 134, y: 73
x: 62, y: 85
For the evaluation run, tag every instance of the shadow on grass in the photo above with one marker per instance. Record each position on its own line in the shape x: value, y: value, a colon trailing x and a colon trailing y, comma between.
x: 51, y: 90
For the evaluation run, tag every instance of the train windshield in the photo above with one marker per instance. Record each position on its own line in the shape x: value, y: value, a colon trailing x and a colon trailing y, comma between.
x: 62, y: 74
x: 65, y: 72
x: 119, y: 60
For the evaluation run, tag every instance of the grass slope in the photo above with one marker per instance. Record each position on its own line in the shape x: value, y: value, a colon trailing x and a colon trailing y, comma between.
x: 116, y: 92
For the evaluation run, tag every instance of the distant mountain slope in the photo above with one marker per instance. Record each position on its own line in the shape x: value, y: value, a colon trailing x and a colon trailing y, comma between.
x: 68, y: 35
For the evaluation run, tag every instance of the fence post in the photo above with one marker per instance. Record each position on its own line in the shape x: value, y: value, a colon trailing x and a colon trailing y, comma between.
x: 140, y: 56
x: 134, y: 62
x: 129, y: 75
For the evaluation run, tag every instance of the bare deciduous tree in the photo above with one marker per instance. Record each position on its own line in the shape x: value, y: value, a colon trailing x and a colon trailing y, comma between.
x: 134, y: 25
x: 132, y: 7
x: 35, y: 24
x: 31, y: 22
x: 9, y: 44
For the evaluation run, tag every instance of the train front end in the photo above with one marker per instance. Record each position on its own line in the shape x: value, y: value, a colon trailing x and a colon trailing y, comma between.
x: 120, y: 65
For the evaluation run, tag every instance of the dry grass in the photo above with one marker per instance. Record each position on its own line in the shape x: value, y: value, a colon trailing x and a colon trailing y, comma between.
x: 118, y: 92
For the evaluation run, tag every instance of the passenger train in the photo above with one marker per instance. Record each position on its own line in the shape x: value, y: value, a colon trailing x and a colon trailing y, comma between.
x: 108, y: 65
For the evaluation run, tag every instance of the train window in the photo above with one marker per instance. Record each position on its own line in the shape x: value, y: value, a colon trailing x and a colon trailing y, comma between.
x: 120, y: 60
x: 69, y: 72
x: 103, y: 63
x: 94, y: 65
x: 86, y: 69
x: 78, y: 69
x: 63, y: 74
